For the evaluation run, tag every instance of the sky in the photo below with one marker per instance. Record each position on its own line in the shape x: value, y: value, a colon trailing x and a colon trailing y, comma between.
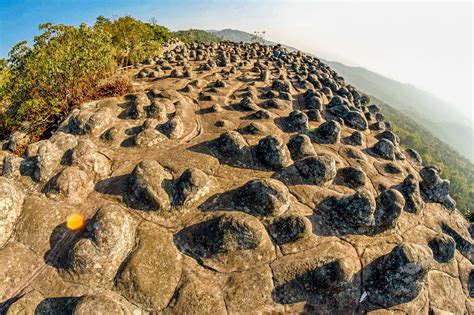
x: 427, y: 44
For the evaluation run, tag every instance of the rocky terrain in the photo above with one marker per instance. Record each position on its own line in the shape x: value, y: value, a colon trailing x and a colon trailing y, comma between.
x: 230, y: 182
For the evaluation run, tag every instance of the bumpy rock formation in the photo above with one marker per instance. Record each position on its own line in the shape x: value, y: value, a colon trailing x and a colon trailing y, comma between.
x: 232, y: 182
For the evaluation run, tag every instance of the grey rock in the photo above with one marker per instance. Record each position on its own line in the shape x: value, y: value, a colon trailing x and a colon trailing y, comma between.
x: 298, y: 121
x: 262, y: 197
x: 300, y: 147
x: 231, y: 143
x: 272, y: 152
x: 316, y: 170
x: 385, y: 149
x: 443, y: 247
x: 192, y: 185
x: 328, y: 132
x: 434, y: 188
x: 352, y: 177
x: 398, y: 277
x: 11, y: 202
x: 146, y: 186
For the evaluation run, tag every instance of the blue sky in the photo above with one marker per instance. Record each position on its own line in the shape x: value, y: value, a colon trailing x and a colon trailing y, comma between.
x: 427, y: 44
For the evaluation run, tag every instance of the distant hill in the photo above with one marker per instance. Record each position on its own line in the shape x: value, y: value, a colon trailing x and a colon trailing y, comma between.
x: 240, y: 36
x: 459, y: 170
x: 436, y: 115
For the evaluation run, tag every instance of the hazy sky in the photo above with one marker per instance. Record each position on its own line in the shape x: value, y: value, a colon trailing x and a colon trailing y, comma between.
x: 427, y: 44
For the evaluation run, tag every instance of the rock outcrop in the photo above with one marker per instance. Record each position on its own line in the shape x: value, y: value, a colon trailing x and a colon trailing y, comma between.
x: 229, y: 181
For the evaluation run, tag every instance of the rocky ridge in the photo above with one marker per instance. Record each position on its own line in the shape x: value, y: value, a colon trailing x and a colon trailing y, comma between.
x: 230, y: 182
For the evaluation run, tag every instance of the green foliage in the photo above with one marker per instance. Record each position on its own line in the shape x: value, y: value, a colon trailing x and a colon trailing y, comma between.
x: 44, y: 81
x: 133, y: 40
x: 196, y: 36
x: 160, y: 33
x: 454, y: 167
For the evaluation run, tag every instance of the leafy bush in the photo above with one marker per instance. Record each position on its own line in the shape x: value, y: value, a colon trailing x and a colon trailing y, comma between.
x: 43, y: 82
x: 133, y: 40
x: 160, y: 33
x: 198, y: 36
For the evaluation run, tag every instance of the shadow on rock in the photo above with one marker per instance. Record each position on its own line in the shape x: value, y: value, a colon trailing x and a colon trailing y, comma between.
x: 61, y: 242
x: 59, y: 305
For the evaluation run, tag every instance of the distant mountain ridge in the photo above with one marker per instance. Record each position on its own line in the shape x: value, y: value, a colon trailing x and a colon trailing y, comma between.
x: 438, y: 116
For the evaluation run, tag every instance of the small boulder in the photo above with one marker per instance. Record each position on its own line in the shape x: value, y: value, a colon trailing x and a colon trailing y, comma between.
x: 443, y: 247
x: 434, y: 188
x: 272, y: 152
x: 316, y: 170
x: 231, y: 143
x: 356, y: 120
x: 398, y: 277
x: 71, y: 183
x: 262, y: 197
x: 352, y: 177
x: 298, y: 121
x: 300, y: 147
x: 328, y: 132
x: 146, y: 186
x: 385, y: 149
x: 411, y: 192
x: 192, y: 185
x: 174, y: 128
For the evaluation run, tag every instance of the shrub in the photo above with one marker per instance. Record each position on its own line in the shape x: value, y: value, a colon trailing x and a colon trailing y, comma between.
x: 133, y: 40
x: 198, y: 36
x: 46, y: 80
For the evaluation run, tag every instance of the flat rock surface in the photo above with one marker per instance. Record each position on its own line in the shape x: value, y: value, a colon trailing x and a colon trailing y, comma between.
x: 249, y: 185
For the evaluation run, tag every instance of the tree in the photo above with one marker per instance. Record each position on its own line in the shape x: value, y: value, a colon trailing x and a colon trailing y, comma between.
x: 46, y: 80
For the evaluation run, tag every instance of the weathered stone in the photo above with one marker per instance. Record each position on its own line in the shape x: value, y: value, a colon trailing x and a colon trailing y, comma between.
x: 231, y: 144
x: 87, y: 158
x: 146, y: 186
x: 384, y: 149
x: 321, y: 276
x: 300, y: 147
x: 99, y: 304
x: 151, y: 274
x: 11, y: 201
x: 248, y: 104
x: 272, y: 152
x: 411, y: 192
x: 174, y: 128
x: 398, y: 277
x: 288, y: 229
x: 355, y: 120
x: 298, y: 121
x: 414, y: 155
x: 47, y: 160
x: 262, y: 197
x: 443, y: 247
x: 281, y: 85
x: 434, y: 188
x: 96, y: 258
x: 71, y: 183
x: 148, y: 138
x: 196, y: 296
x: 191, y: 186
x: 227, y: 242
x: 328, y: 132
x: 352, y: 177
x: 316, y: 170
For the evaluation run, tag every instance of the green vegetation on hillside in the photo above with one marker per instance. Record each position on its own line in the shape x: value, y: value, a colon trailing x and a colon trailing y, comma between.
x: 42, y: 82
x: 198, y: 36
x: 67, y: 65
x: 454, y: 167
